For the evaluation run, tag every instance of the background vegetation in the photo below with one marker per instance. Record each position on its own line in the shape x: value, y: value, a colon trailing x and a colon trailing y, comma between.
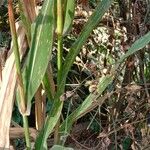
x: 74, y: 74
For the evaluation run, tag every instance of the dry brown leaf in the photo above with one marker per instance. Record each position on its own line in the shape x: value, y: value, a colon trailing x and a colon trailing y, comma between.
x: 7, y: 90
x: 133, y: 87
x: 17, y: 132
x: 40, y: 103
x: 102, y: 134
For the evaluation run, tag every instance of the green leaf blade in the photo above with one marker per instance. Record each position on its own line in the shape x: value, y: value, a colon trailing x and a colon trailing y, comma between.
x: 49, y: 126
x: 40, y: 51
x: 136, y: 46
x: 69, y: 16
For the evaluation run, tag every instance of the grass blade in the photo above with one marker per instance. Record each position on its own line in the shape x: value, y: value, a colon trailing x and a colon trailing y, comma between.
x: 40, y: 51
x: 136, y: 46
x: 69, y: 16
x: 49, y: 126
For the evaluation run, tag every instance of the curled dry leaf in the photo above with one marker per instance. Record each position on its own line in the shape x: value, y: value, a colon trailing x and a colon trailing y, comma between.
x: 7, y: 89
x: 105, y: 143
x: 18, y: 132
x: 133, y: 87
x: 102, y: 134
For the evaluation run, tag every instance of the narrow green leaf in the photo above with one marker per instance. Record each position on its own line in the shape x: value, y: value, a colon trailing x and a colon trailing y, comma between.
x: 69, y: 16
x: 136, y: 46
x: 51, y: 121
x: 47, y: 87
x: 40, y: 51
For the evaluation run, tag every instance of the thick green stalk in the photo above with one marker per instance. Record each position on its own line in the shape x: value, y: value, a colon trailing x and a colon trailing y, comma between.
x: 59, y: 57
x: 21, y: 102
x: 59, y: 38
x: 26, y: 131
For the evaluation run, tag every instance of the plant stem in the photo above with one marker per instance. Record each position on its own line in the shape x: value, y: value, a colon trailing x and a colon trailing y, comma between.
x: 21, y: 102
x: 26, y: 131
x: 59, y: 58
x: 59, y: 38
